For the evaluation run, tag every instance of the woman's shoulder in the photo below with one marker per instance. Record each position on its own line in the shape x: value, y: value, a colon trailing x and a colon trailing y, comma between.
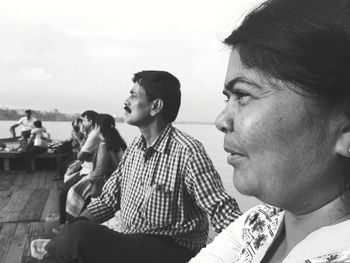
x: 260, y: 214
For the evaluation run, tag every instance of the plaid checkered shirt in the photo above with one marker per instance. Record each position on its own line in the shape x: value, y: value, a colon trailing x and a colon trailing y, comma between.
x: 168, y: 189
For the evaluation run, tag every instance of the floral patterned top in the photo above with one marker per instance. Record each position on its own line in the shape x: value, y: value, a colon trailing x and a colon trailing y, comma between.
x: 248, y: 239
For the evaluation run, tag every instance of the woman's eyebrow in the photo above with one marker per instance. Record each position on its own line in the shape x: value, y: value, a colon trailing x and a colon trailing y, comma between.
x: 230, y: 85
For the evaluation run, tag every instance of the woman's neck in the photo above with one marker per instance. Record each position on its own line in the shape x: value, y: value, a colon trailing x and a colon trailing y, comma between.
x: 297, y: 227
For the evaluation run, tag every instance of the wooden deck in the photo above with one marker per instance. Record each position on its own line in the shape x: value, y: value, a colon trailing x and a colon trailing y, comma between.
x: 25, y: 201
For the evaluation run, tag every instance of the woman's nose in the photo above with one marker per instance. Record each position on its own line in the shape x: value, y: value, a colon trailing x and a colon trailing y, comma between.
x: 224, y: 121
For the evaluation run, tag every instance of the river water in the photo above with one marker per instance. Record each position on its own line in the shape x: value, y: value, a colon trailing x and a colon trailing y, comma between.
x: 211, y: 138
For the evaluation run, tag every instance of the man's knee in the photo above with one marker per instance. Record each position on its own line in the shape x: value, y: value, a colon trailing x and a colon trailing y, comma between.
x: 80, y: 229
x: 65, y: 244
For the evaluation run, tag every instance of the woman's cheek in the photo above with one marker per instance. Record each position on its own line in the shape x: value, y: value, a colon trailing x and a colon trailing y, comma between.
x: 252, y: 129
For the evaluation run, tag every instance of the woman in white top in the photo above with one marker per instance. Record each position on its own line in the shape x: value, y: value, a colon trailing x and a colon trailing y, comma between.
x: 287, y: 134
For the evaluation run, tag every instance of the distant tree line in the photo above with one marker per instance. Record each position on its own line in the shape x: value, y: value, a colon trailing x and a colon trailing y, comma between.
x: 54, y: 115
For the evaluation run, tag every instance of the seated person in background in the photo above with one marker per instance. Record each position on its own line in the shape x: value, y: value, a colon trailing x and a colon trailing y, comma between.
x: 77, y: 137
x: 27, y: 123
x: 38, y: 143
x: 83, y: 164
x: 72, y: 146
x: 165, y: 187
x: 287, y: 132
x: 106, y: 160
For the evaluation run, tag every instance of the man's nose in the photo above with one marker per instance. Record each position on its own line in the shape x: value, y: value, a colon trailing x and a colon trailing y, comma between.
x: 126, y: 102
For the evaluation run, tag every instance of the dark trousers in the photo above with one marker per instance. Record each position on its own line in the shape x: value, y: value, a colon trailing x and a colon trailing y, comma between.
x: 63, y: 165
x: 26, y: 134
x: 87, y: 242
x: 63, y: 196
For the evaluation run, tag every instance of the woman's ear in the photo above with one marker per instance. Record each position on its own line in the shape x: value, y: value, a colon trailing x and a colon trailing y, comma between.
x: 157, y: 106
x: 342, y: 146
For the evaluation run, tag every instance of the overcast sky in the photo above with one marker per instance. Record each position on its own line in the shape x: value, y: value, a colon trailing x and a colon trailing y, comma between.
x: 74, y: 55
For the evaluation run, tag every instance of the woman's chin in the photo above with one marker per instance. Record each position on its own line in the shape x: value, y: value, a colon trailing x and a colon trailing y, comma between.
x: 243, y: 184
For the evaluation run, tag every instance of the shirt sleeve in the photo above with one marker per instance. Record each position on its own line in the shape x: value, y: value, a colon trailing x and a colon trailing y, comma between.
x: 20, y: 121
x: 91, y: 143
x: 204, y: 184
x: 34, y: 131
x: 108, y: 203
x: 226, y: 246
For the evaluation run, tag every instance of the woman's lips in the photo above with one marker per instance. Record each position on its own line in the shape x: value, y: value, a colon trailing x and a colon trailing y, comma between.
x: 234, y: 159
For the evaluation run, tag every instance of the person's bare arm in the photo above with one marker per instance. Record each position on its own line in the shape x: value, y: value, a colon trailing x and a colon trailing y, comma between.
x: 12, y: 129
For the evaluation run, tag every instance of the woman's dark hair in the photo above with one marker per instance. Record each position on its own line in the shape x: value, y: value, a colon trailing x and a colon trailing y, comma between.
x: 303, y: 42
x: 161, y: 85
x: 111, y: 135
x: 38, y: 124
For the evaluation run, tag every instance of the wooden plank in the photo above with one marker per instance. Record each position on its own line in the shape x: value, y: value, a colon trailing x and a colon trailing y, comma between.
x: 41, y: 179
x: 11, y: 211
x: 6, y: 181
x: 48, y: 183
x: 16, y: 249
x: 52, y: 204
x: 36, y: 181
x: 35, y: 231
x: 4, y: 198
x: 6, y: 188
x: 25, y: 180
x: 34, y: 206
x: 6, y: 233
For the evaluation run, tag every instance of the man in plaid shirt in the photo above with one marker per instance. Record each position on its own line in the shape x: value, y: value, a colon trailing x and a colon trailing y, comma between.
x: 165, y: 187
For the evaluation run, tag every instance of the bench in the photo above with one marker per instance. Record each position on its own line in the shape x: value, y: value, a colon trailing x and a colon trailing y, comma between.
x: 5, y: 158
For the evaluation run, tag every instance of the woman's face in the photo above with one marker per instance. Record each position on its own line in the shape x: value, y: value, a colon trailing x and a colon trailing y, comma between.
x: 280, y: 149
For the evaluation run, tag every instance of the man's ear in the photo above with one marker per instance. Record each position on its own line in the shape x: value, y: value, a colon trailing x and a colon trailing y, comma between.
x: 342, y: 146
x: 157, y: 106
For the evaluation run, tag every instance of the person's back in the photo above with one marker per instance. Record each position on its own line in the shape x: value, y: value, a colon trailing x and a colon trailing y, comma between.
x: 38, y: 143
x: 42, y: 137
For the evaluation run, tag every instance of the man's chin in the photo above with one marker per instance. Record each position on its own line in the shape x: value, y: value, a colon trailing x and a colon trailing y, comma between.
x: 129, y: 121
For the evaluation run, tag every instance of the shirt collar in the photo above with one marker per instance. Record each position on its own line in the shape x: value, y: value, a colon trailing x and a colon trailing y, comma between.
x: 160, y: 144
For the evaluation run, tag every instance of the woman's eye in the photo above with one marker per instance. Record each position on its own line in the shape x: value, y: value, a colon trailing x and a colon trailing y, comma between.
x: 242, y: 97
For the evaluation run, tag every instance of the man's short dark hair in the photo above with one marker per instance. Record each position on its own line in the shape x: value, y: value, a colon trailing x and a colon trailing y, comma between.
x: 91, y: 116
x: 161, y: 85
x: 28, y: 112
